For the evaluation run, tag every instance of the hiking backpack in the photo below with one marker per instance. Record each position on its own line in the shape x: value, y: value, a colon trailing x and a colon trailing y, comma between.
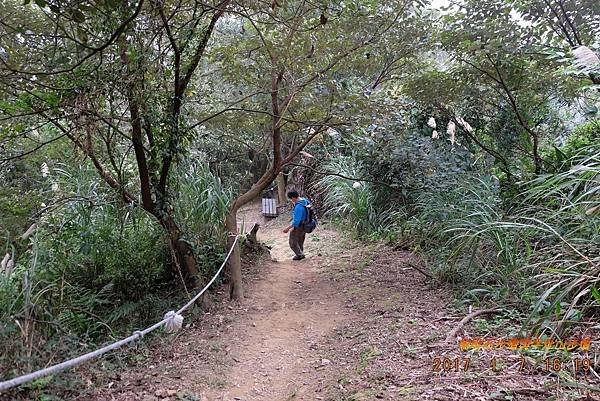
x: 311, y: 218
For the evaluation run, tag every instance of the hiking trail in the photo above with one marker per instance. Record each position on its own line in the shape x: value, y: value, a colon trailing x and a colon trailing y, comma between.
x: 350, y: 322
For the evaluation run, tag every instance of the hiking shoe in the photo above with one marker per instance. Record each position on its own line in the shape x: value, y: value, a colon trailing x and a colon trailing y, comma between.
x: 298, y: 257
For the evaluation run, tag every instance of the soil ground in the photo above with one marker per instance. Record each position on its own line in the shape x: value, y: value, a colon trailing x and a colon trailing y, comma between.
x: 351, y: 322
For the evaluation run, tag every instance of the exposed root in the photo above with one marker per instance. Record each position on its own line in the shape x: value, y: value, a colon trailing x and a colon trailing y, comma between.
x: 452, y: 334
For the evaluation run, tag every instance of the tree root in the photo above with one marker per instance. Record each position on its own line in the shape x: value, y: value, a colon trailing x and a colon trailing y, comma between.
x: 423, y: 272
x: 452, y: 334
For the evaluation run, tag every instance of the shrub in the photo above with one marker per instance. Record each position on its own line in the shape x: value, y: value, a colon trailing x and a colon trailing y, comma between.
x: 464, y: 233
x: 564, y: 211
x: 202, y: 205
x: 584, y: 139
x: 95, y: 268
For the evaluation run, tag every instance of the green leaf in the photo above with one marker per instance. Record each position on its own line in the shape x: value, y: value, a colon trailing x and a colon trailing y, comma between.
x: 596, y: 294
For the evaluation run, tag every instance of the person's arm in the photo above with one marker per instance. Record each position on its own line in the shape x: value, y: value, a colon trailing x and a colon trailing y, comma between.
x: 297, y: 220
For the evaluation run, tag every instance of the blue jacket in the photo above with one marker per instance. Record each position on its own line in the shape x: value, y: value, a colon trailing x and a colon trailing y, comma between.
x: 300, y: 212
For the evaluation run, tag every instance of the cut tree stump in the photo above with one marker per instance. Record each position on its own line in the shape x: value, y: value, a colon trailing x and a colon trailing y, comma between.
x: 252, y: 244
x: 251, y: 236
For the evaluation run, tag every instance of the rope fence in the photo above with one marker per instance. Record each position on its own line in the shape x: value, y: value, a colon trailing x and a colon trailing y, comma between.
x: 172, y: 321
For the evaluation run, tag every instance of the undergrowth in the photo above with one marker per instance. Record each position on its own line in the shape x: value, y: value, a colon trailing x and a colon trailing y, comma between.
x: 95, y: 269
x: 537, y: 252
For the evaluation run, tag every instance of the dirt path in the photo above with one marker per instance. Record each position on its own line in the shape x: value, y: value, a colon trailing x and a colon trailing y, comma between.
x: 273, y: 346
x: 352, y: 322
x: 292, y: 310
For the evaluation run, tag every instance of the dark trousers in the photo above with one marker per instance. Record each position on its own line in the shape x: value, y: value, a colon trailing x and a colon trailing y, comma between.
x: 297, y: 236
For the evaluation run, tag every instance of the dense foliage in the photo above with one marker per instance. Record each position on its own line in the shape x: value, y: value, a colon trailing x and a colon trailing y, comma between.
x: 131, y: 133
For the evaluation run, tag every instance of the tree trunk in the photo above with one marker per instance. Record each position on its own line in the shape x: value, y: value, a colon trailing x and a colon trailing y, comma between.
x: 235, y: 264
x: 281, y: 188
x: 236, y: 290
x: 185, y: 261
x: 252, y: 244
x: 183, y: 252
x: 537, y: 160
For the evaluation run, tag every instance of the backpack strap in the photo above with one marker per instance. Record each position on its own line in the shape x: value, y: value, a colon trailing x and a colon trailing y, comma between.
x: 306, y: 207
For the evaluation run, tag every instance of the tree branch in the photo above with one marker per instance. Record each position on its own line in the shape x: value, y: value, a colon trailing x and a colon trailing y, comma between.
x: 343, y: 176
x: 94, y: 51
x: 21, y: 155
x: 179, y: 92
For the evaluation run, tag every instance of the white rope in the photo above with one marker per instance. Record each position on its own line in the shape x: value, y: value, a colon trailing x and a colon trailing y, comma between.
x: 172, y: 322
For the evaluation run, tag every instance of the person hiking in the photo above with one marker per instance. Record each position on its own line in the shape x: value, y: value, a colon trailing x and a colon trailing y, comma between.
x: 296, y: 229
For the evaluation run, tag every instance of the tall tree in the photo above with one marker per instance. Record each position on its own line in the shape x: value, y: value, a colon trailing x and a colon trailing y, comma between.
x: 559, y: 25
x: 301, y: 69
x: 495, y: 75
x: 112, y: 78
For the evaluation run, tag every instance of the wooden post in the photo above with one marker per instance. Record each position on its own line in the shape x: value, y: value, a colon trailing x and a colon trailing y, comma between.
x: 236, y: 290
